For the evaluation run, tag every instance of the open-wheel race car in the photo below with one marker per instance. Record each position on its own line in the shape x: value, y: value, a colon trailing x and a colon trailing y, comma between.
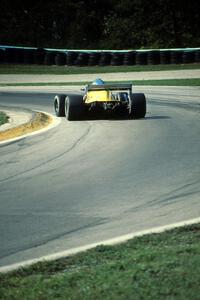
x: 99, y: 97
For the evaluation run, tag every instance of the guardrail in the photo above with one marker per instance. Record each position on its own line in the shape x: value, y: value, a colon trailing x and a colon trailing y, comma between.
x: 61, y: 57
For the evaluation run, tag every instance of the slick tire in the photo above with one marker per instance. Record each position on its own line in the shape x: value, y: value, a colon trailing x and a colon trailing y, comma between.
x: 74, y: 108
x: 137, y: 107
x: 59, y: 105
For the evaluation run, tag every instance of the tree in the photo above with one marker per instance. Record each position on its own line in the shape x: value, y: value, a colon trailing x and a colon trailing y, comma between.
x: 93, y: 24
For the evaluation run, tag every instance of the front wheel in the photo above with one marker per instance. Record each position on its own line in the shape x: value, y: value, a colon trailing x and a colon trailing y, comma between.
x: 74, y: 108
x: 137, y: 107
x: 59, y: 105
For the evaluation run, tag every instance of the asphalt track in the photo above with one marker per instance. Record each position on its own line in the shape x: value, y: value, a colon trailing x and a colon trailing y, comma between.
x: 83, y: 182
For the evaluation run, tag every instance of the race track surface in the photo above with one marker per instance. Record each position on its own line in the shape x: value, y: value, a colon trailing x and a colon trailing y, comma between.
x: 88, y: 181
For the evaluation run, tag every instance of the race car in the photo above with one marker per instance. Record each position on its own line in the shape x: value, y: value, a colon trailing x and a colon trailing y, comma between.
x: 99, y: 97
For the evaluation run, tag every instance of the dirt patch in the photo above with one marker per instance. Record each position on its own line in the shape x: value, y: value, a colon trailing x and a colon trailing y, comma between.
x: 40, y: 121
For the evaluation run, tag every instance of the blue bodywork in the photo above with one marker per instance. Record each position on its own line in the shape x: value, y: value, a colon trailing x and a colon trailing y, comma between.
x: 98, y: 81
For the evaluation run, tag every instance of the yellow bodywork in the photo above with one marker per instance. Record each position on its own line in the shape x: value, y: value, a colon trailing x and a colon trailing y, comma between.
x: 98, y: 96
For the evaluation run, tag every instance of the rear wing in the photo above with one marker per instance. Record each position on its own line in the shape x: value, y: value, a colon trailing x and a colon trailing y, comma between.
x: 109, y: 87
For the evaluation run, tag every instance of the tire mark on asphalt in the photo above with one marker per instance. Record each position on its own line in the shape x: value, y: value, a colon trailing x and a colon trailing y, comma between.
x: 55, y: 237
x: 181, y: 192
x: 73, y: 146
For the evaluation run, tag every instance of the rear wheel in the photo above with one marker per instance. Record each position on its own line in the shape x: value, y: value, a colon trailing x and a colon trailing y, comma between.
x: 59, y: 105
x: 137, y: 107
x: 74, y: 108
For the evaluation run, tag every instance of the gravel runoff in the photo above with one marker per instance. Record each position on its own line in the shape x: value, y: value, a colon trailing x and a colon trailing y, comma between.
x: 32, y: 78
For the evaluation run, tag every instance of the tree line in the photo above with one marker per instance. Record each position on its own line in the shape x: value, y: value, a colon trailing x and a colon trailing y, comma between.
x: 100, y: 24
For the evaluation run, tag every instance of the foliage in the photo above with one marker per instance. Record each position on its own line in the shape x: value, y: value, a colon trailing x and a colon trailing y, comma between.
x: 97, y: 24
x: 3, y: 118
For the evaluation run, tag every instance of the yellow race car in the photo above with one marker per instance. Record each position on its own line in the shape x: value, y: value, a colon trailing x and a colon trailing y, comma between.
x: 99, y: 97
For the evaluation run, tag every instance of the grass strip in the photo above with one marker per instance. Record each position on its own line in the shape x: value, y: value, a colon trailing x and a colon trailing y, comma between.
x: 40, y: 121
x: 38, y: 69
x: 3, y: 118
x: 157, y: 266
x: 161, y: 82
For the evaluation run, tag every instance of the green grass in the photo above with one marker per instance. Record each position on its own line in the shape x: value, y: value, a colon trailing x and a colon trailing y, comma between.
x: 166, y: 82
x: 3, y: 118
x: 38, y: 69
x: 157, y: 266
x: 169, y: 82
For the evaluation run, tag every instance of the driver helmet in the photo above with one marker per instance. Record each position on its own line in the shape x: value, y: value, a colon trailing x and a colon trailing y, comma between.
x: 98, y: 81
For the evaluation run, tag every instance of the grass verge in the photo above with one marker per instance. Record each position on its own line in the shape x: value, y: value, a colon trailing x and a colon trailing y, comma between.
x: 38, y: 69
x: 3, y: 118
x: 157, y: 266
x: 40, y: 121
x: 162, y: 82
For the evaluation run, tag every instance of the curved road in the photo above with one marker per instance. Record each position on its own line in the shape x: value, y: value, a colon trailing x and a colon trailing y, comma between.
x: 88, y: 181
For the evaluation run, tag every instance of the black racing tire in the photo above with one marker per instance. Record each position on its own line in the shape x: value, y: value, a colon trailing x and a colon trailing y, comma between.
x: 74, y: 108
x: 59, y: 105
x: 137, y: 107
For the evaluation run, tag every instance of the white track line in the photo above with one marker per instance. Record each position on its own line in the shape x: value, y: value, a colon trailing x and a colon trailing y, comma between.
x: 56, y: 122
x: 112, y: 241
